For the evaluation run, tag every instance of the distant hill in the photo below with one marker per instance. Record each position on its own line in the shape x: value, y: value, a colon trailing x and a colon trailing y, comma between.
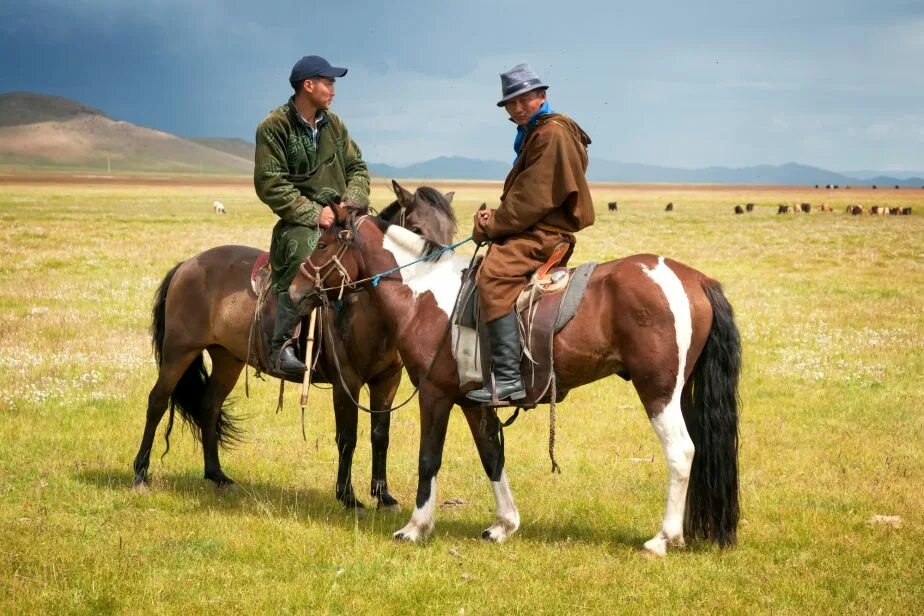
x: 452, y: 167
x: 229, y: 145
x: 27, y: 108
x: 446, y: 168
x: 50, y: 131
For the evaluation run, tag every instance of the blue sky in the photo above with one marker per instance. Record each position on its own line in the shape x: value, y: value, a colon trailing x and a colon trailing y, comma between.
x: 837, y: 84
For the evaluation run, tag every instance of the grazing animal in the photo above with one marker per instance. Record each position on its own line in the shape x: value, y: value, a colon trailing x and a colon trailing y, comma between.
x: 824, y: 207
x: 894, y: 211
x: 836, y: 187
x: 207, y: 303
x: 816, y: 185
x: 806, y: 207
x: 219, y: 207
x: 782, y: 209
x: 613, y: 206
x: 669, y: 207
x: 906, y: 211
x: 739, y: 209
x: 896, y: 187
x: 749, y: 207
x: 661, y: 324
x: 855, y: 210
x: 874, y: 187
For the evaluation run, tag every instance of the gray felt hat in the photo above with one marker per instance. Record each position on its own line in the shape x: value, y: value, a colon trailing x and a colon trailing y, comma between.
x: 519, y: 80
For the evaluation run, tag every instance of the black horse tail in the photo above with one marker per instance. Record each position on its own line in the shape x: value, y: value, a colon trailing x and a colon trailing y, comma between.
x: 188, y: 395
x: 712, y: 498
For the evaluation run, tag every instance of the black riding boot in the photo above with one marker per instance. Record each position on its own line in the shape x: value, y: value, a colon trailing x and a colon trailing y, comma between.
x: 505, y: 355
x: 286, y: 320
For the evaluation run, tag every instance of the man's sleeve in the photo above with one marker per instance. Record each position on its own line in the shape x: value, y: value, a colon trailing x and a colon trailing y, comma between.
x: 544, y: 184
x: 269, y: 181
x: 357, y: 173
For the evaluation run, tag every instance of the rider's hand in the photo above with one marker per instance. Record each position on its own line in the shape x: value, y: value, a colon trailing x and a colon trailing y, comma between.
x: 326, y: 219
x: 479, y: 231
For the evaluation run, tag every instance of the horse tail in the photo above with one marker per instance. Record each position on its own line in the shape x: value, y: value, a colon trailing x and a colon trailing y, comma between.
x: 188, y: 395
x: 712, y: 498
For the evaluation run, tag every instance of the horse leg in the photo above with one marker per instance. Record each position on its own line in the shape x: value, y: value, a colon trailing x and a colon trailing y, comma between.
x: 172, y: 367
x: 226, y: 368
x: 346, y: 415
x: 491, y: 451
x: 381, y: 395
x: 666, y: 418
x: 434, y: 417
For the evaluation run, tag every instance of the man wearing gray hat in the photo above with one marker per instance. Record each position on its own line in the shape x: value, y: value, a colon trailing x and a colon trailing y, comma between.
x: 305, y: 161
x: 545, y: 201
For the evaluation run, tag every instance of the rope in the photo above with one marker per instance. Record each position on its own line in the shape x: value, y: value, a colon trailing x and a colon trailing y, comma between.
x: 555, y: 467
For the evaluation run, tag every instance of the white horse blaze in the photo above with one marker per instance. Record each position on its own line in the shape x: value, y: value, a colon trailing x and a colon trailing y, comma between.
x: 669, y: 424
x: 441, y: 276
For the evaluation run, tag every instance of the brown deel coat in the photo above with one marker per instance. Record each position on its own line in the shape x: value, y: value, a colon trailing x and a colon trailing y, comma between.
x: 545, y: 201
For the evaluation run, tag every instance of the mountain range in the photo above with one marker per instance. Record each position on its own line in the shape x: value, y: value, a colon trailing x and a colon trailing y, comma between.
x: 41, y: 131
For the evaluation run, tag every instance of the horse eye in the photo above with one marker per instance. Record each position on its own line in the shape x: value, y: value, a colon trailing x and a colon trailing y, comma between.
x: 322, y: 245
x: 417, y: 230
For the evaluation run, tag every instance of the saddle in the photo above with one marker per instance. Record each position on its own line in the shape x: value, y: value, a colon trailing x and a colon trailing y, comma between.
x: 261, y: 328
x: 546, y: 304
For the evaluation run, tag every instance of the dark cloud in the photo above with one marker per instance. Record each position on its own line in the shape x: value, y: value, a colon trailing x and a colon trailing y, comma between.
x: 831, y: 83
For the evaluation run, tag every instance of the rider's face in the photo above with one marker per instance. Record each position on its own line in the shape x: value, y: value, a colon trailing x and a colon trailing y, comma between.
x: 320, y: 91
x: 525, y: 106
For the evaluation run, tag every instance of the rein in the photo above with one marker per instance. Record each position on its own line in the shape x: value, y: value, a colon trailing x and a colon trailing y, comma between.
x: 348, y: 283
x: 353, y: 285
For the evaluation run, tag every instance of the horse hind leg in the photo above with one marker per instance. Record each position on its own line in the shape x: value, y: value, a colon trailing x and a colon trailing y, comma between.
x: 219, y: 427
x: 171, y: 369
x: 678, y: 447
x: 662, y: 389
x: 491, y: 451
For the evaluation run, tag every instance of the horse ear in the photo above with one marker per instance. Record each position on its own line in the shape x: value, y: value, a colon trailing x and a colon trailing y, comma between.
x: 448, y: 196
x: 403, y: 195
x: 484, y: 206
x: 340, y: 213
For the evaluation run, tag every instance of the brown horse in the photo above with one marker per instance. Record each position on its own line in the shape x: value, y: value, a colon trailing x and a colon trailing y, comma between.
x: 665, y: 326
x: 206, y: 304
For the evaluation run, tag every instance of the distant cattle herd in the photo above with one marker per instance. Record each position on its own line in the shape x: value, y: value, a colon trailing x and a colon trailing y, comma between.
x: 804, y: 208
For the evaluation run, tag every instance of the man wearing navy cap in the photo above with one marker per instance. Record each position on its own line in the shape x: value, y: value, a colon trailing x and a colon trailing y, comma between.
x: 305, y: 161
x: 545, y: 201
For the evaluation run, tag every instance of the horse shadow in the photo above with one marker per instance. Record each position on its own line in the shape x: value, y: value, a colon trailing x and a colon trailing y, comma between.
x: 249, y: 499
x: 261, y: 499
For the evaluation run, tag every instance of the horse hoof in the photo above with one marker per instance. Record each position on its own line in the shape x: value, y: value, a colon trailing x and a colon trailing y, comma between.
x: 226, y: 487
x: 140, y: 486
x: 394, y: 506
x: 656, y: 547
x: 404, y: 537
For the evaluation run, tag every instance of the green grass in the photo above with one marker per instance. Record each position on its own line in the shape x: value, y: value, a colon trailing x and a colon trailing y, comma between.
x: 831, y: 316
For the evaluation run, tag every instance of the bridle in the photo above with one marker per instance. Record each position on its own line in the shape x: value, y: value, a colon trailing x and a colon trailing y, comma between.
x: 334, y: 264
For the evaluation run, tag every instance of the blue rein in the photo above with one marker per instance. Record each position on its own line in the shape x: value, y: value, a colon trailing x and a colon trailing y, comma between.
x: 377, y: 277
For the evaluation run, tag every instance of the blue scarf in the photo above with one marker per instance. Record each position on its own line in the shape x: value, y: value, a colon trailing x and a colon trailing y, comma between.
x: 523, y: 130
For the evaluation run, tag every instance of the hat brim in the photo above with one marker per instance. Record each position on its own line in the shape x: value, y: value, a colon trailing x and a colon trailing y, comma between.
x: 333, y: 71
x: 513, y: 95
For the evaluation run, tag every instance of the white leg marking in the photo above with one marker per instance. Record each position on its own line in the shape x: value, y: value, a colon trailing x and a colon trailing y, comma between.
x: 507, y: 518
x: 669, y: 424
x: 422, y: 519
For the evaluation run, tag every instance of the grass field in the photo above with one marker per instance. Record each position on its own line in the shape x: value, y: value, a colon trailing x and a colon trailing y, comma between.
x: 831, y: 313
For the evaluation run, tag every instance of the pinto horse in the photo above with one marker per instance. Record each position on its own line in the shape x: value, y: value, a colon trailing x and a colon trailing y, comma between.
x: 661, y: 324
x: 207, y: 304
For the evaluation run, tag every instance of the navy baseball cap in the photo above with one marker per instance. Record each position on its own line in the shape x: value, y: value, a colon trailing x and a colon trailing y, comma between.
x: 314, y: 66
